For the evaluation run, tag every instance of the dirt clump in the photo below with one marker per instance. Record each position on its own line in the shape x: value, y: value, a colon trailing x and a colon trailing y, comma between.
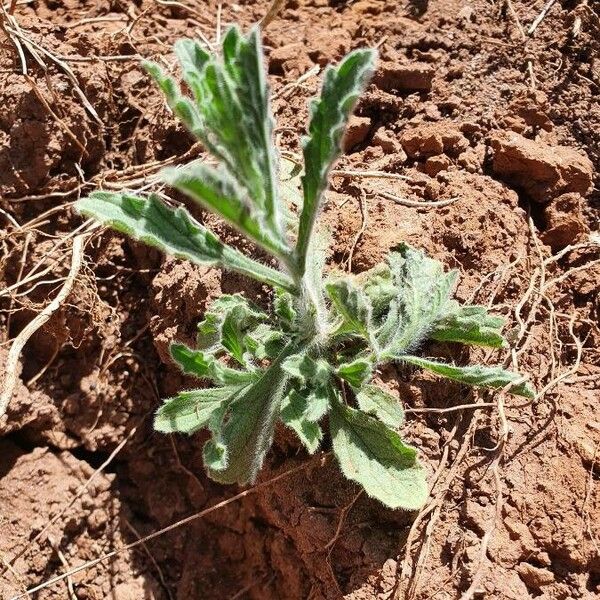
x: 36, y: 486
x: 410, y: 77
x: 564, y: 221
x: 542, y: 171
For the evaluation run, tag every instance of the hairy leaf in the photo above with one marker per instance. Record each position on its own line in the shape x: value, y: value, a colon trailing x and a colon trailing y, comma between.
x: 376, y: 457
x: 294, y: 412
x: 246, y: 433
x: 307, y: 369
x: 481, y: 376
x: 380, y: 289
x: 216, y: 190
x: 193, y: 410
x: 469, y: 325
x: 206, y: 366
x: 352, y: 305
x: 328, y: 117
x: 355, y: 372
x: 264, y: 342
x: 283, y: 307
x: 377, y: 402
x: 423, y: 295
x: 210, y: 329
x: 173, y: 231
x: 236, y: 125
x: 181, y: 106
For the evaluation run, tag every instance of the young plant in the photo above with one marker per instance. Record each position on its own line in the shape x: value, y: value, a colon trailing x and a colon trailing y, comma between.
x: 311, y: 358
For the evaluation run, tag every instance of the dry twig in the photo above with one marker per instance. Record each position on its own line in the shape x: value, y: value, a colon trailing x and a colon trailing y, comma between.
x: 19, y: 342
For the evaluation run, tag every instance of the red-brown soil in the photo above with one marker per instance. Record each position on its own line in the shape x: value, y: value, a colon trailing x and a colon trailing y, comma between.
x: 468, y: 111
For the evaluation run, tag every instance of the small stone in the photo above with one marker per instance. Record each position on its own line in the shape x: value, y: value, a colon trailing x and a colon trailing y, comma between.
x: 422, y: 142
x: 435, y: 164
x: 431, y: 139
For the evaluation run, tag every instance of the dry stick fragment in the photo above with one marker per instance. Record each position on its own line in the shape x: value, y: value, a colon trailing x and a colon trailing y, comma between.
x: 495, y: 469
x: 8, y: 18
x: 364, y: 220
x: 177, y: 4
x: 171, y: 527
x: 540, y: 17
x: 418, y: 203
x: 515, y: 16
x: 19, y: 342
x: 286, y: 89
x: 63, y: 560
x: 33, y: 273
x: 31, y: 45
x: 275, y: 8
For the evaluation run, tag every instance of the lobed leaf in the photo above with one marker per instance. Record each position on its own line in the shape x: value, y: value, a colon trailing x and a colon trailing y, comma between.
x: 264, y: 342
x: 352, y: 306
x: 206, y: 366
x: 306, y: 369
x: 424, y: 294
x: 231, y: 99
x: 376, y: 457
x: 173, y: 231
x: 328, y: 117
x: 238, y: 448
x: 356, y: 373
x: 295, y: 411
x: 481, y: 376
x: 216, y: 190
x: 469, y: 325
x: 193, y: 410
x: 284, y: 309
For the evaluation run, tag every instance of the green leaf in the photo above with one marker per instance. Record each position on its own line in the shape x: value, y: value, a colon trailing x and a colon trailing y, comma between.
x: 317, y: 400
x: 352, y: 305
x: 469, y: 325
x: 206, y: 366
x: 376, y: 457
x: 246, y: 432
x: 380, y: 289
x: 290, y: 187
x: 283, y: 307
x: 328, y: 117
x: 377, y: 402
x: 424, y: 293
x: 306, y: 369
x: 294, y: 414
x: 235, y: 123
x: 181, y: 106
x: 190, y: 411
x: 481, y: 376
x: 355, y: 372
x: 216, y: 190
x: 173, y: 231
x: 210, y: 328
x: 264, y: 342
x: 234, y: 327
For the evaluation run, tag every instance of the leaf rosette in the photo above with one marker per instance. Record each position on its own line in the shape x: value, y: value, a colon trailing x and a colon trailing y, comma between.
x: 308, y: 360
